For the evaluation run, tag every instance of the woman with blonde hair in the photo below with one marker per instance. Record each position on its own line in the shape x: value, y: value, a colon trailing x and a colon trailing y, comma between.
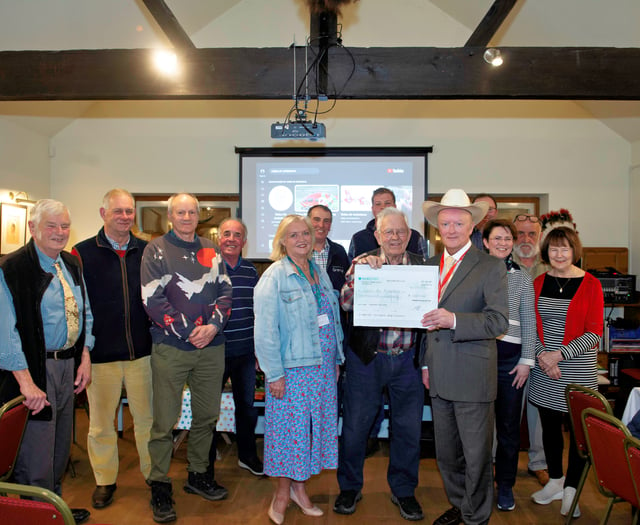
x: 298, y: 341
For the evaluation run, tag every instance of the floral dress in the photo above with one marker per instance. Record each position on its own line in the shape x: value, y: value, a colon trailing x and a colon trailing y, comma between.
x: 301, y: 429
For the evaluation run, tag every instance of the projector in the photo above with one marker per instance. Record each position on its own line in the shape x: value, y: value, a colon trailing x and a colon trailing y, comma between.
x: 300, y: 130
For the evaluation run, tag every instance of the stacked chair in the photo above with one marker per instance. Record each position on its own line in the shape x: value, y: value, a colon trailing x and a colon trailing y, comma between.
x: 610, y: 444
x: 49, y: 508
x: 579, y: 398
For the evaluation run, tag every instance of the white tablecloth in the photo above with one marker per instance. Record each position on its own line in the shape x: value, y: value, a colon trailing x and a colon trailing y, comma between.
x: 632, y: 406
x: 226, y: 419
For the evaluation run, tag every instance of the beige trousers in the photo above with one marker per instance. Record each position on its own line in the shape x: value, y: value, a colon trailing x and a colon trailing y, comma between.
x: 104, y: 393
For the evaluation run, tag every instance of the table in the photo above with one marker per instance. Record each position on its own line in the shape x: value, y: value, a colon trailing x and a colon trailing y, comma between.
x: 226, y: 419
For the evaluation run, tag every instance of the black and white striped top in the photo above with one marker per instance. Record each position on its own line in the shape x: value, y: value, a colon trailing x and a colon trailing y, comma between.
x: 522, y: 315
x: 579, y: 355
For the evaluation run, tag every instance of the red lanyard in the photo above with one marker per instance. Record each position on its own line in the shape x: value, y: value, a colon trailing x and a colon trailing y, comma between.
x: 444, y: 280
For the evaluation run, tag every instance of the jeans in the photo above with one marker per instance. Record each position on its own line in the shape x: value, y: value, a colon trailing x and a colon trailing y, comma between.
x: 507, y: 406
x: 363, y: 385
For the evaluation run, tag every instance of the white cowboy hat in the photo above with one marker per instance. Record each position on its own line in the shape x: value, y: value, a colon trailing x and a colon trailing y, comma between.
x: 454, y: 199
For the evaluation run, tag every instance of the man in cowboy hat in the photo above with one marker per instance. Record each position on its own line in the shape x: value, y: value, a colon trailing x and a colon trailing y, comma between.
x: 459, y: 357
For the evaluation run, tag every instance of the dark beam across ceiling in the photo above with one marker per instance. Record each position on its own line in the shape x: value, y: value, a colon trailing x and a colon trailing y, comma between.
x: 491, y: 22
x: 380, y: 73
x: 169, y: 24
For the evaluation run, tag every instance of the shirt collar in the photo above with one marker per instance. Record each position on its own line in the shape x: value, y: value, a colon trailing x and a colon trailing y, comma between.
x: 325, y: 248
x: 460, y: 253
x: 46, y: 262
x: 233, y: 267
x: 405, y: 257
x: 117, y: 246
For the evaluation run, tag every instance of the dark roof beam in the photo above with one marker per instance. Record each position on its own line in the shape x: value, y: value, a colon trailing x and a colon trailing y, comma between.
x: 169, y: 24
x: 413, y: 73
x: 491, y: 22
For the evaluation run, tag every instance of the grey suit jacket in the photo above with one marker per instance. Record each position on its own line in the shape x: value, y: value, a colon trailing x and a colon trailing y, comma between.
x: 463, y: 362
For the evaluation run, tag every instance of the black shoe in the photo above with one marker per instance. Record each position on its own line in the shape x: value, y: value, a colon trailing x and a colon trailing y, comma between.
x: 373, y: 445
x: 162, y: 502
x: 80, y: 515
x: 453, y: 516
x: 204, y: 485
x: 253, y: 465
x: 103, y: 496
x: 409, y: 507
x: 346, y: 501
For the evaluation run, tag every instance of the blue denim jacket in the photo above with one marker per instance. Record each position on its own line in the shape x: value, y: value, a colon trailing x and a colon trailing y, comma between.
x: 286, y: 320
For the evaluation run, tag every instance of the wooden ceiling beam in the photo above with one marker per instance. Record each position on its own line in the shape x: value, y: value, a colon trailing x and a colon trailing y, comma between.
x: 491, y: 22
x: 372, y: 73
x: 169, y: 24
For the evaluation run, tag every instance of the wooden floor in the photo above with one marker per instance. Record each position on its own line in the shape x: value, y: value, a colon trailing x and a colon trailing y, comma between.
x: 249, y: 496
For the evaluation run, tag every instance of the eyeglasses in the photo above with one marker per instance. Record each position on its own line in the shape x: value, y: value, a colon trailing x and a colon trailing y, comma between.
x: 523, y: 217
x: 387, y: 234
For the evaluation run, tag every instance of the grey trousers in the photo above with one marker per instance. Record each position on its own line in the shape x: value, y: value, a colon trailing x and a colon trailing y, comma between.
x: 46, y: 445
x: 464, y: 436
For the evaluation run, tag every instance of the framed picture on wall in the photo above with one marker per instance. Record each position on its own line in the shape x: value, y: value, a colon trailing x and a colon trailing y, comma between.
x: 13, y: 227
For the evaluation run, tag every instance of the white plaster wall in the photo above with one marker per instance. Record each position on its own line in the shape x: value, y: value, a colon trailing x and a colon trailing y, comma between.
x: 24, y: 161
x: 578, y: 162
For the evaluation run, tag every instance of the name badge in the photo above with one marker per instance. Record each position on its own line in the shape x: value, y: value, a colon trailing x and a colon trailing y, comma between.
x: 323, y: 320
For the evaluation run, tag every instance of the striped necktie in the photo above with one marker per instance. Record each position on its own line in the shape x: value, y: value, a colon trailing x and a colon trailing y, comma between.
x: 449, y: 262
x: 70, y: 309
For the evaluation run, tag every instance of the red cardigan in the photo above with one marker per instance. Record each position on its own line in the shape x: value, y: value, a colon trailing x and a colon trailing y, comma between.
x: 585, y: 312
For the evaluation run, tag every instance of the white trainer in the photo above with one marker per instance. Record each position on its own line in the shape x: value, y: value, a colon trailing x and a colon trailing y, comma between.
x: 552, y: 491
x: 567, y: 499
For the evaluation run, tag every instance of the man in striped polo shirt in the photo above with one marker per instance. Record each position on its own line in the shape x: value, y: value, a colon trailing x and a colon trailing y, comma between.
x: 240, y: 360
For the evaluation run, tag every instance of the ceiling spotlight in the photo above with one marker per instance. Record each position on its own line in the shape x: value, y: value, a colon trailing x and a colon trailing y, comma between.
x: 166, y: 62
x: 493, y: 56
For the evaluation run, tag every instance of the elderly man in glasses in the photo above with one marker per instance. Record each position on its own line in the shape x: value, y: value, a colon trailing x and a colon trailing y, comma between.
x: 526, y: 253
x: 379, y: 358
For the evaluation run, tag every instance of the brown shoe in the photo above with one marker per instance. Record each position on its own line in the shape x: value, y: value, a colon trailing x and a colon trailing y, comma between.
x: 541, y: 475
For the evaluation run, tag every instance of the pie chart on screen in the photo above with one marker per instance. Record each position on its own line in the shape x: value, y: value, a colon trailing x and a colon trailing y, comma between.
x: 280, y: 198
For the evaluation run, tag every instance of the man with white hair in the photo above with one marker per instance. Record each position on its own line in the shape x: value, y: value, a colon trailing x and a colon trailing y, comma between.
x: 377, y: 358
x: 459, y: 358
x: 187, y: 294
x: 45, y: 329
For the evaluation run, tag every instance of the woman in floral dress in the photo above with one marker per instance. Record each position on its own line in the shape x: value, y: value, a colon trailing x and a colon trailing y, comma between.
x: 298, y: 342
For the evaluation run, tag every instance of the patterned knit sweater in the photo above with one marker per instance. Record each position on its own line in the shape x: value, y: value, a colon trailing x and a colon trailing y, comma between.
x: 184, y: 285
